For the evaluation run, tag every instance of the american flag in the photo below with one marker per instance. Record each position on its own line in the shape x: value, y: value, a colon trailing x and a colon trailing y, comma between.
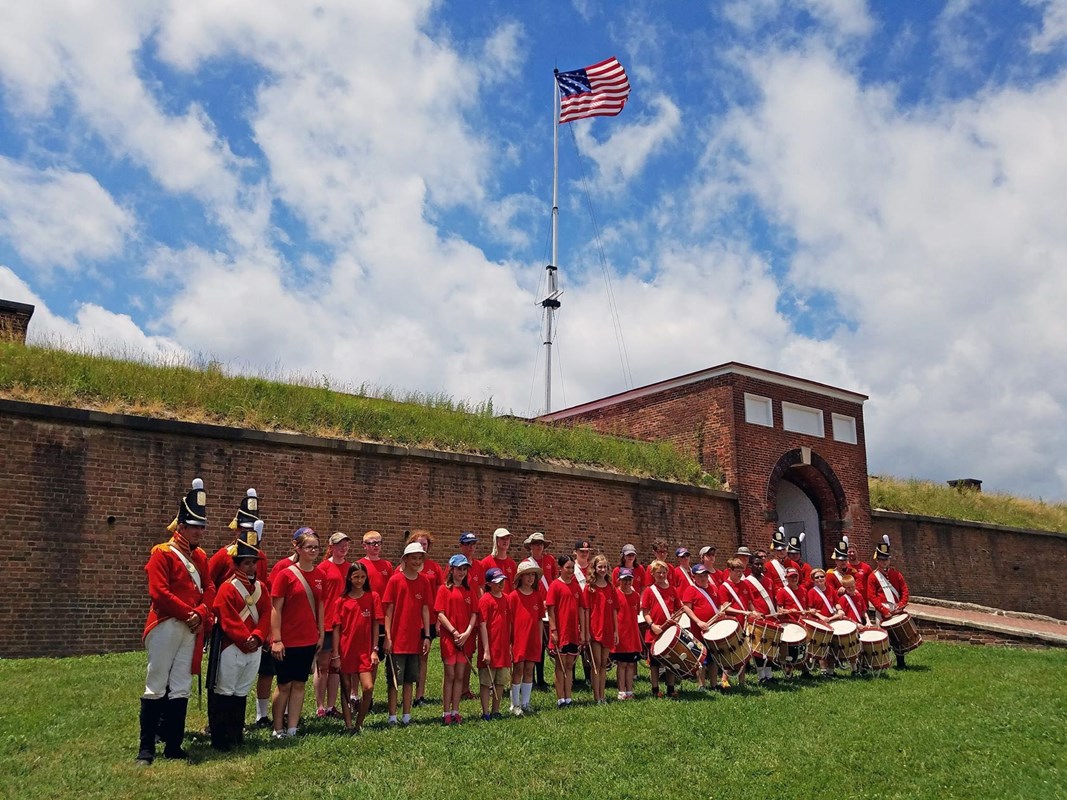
x: 597, y: 91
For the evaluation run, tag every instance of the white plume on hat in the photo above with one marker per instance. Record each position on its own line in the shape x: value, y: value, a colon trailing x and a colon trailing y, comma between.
x: 257, y: 526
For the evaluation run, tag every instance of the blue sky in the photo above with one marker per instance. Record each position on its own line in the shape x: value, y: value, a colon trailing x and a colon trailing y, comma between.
x: 865, y: 194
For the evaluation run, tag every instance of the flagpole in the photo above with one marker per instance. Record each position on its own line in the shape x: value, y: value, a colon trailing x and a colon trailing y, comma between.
x: 551, y: 301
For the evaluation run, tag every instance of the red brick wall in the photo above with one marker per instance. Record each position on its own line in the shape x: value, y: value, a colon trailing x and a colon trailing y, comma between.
x: 74, y: 582
x: 706, y: 419
x: 990, y: 565
x: 968, y: 634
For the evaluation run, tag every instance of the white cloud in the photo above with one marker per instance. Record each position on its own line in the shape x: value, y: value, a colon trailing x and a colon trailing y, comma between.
x: 53, y: 217
x: 628, y: 148
x: 1053, y: 25
x: 841, y: 17
x: 936, y: 232
x: 93, y: 329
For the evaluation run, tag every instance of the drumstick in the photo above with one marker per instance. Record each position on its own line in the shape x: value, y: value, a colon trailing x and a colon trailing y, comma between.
x: 392, y: 671
x: 596, y: 672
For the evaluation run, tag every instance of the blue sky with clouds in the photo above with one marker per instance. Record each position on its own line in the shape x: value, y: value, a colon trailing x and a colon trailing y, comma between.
x: 865, y: 194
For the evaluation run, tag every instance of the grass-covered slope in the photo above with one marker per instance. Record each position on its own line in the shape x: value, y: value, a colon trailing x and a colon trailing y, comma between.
x: 940, y: 500
x: 205, y: 393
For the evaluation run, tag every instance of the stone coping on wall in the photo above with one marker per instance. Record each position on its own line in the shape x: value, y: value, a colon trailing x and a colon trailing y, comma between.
x: 1052, y: 633
x: 991, y: 526
x: 82, y: 416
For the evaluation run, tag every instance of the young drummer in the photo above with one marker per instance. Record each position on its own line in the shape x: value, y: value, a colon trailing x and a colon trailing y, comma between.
x: 357, y: 618
x: 886, y: 589
x: 602, y: 603
x: 243, y: 611
x: 495, y: 634
x: 297, y: 633
x: 853, y: 606
x: 566, y: 627
x: 760, y: 595
x: 701, y: 606
x: 527, y: 604
x: 181, y: 595
x: 407, y: 628
x: 825, y: 610
x: 658, y: 603
x: 628, y: 650
x: 457, y: 617
x: 791, y: 608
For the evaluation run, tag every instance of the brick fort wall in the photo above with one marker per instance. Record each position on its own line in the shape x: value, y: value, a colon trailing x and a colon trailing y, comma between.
x: 86, y: 495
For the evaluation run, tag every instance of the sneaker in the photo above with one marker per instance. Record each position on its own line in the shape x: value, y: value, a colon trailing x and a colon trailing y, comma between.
x: 568, y: 701
x: 334, y: 713
x: 560, y: 703
x: 446, y: 720
x: 516, y: 711
x: 497, y: 715
x: 320, y: 713
x: 527, y: 709
x: 263, y: 722
x: 457, y: 718
x: 420, y: 701
x: 656, y: 693
x: 487, y: 718
x: 278, y: 735
x: 145, y: 758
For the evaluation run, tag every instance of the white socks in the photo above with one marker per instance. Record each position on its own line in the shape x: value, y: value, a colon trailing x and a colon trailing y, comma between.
x: 262, y: 708
x: 515, y: 690
x: 524, y: 694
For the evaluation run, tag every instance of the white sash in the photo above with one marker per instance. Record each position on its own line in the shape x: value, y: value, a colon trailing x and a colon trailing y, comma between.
x: 579, y: 574
x: 689, y: 577
x: 826, y: 600
x: 887, y: 588
x: 307, y: 590
x: 737, y: 598
x: 659, y: 597
x: 251, y: 600
x: 190, y: 566
x: 780, y: 569
x: 795, y: 598
x: 763, y: 593
x: 714, y: 605
x: 544, y: 580
x: 855, y: 610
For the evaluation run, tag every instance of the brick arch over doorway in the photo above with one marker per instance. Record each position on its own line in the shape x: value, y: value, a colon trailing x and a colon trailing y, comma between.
x: 817, y: 479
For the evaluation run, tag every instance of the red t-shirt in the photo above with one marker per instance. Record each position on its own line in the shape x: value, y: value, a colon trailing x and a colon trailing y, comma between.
x: 527, y: 613
x: 791, y: 601
x: 508, y: 565
x: 856, y: 610
x: 458, y: 605
x: 650, y: 604
x: 629, y: 606
x: 433, y: 573
x: 476, y: 575
x: 279, y: 566
x: 299, y: 623
x: 356, y: 617
x: 408, y: 597
x: 568, y: 600
x: 603, y: 605
x: 695, y: 599
x: 378, y: 573
x: 333, y: 586
x: 821, y: 603
x: 730, y: 592
x: 495, y: 613
x: 759, y: 603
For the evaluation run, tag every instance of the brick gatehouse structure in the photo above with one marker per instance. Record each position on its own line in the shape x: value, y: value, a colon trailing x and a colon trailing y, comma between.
x: 792, y: 449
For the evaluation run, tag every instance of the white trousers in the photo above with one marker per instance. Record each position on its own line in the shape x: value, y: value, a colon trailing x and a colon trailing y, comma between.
x: 237, y: 671
x: 170, y: 648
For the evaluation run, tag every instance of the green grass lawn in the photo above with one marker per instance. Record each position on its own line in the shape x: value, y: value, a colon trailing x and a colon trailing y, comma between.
x: 961, y: 722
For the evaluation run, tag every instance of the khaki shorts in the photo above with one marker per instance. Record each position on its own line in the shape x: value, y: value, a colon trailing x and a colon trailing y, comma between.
x: 487, y: 676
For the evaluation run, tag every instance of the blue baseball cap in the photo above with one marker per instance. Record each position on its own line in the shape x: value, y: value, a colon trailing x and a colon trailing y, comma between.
x: 301, y: 531
x: 700, y: 569
x: 625, y: 573
x: 494, y: 575
x: 467, y: 538
x: 459, y: 560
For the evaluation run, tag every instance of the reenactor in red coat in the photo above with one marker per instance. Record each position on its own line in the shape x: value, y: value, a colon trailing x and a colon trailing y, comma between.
x: 181, y: 595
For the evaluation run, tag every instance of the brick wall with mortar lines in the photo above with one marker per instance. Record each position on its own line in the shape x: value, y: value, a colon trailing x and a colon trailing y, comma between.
x: 991, y: 565
x: 707, y: 420
x: 74, y: 583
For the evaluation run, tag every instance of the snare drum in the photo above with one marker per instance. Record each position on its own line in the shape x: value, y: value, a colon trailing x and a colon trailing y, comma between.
x: 766, y: 636
x: 728, y: 645
x: 793, y: 635
x: 874, y: 646
x: 819, y: 637
x: 903, y: 635
x: 846, y: 642
x: 679, y: 652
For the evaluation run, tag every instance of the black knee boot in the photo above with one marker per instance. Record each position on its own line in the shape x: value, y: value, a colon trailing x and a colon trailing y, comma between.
x: 174, y: 727
x: 237, y: 720
x: 150, y: 713
x: 218, y: 721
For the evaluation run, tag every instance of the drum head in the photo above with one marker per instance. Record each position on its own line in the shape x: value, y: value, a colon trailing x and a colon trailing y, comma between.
x: 896, y: 619
x: 793, y: 633
x: 816, y: 625
x: 873, y: 636
x: 722, y: 629
x: 843, y: 627
x: 663, y: 643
